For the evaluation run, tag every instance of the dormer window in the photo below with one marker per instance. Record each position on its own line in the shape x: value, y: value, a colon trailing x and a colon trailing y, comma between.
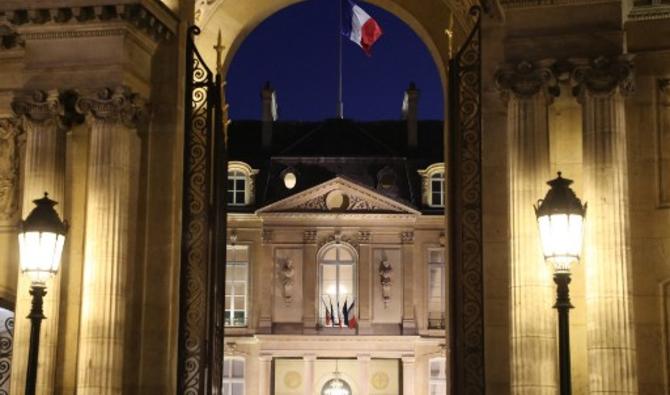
x: 433, y: 185
x: 240, y: 188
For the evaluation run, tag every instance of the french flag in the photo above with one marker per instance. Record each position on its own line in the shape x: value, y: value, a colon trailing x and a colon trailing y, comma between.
x: 359, y: 26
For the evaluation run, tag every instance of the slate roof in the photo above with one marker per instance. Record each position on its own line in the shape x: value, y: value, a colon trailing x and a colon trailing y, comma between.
x: 320, y: 151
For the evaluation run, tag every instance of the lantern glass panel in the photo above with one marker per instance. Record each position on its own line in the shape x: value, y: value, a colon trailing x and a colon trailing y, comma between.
x: 40, y: 254
x: 561, y: 236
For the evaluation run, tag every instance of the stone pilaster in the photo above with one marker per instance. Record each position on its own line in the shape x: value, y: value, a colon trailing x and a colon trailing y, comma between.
x: 365, y: 279
x: 112, y: 175
x: 309, y: 267
x: 408, y: 372
x: 529, y: 89
x: 266, y: 285
x: 600, y: 86
x: 408, y: 320
x: 309, y: 373
x: 264, y: 374
x: 39, y: 115
x: 364, y: 374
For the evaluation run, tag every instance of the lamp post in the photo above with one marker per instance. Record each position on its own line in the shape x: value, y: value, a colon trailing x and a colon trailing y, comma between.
x: 560, y: 216
x: 41, y: 240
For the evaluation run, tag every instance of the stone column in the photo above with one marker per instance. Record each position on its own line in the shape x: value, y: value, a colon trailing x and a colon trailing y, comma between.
x: 44, y: 171
x: 529, y: 89
x: 112, y: 174
x: 310, y: 299
x: 11, y: 138
x: 264, y: 374
x: 600, y: 86
x: 308, y: 373
x: 364, y: 374
x: 408, y: 367
x: 408, y: 321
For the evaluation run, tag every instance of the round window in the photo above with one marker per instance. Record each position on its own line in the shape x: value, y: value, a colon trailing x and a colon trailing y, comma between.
x: 290, y: 179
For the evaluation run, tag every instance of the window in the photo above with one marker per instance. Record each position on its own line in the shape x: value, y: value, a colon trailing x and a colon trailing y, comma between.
x: 233, y: 376
x: 436, y: 288
x: 433, y: 185
x: 241, y: 180
x: 237, y: 184
x: 237, y: 281
x: 438, y: 376
x: 336, y: 271
x: 437, y: 190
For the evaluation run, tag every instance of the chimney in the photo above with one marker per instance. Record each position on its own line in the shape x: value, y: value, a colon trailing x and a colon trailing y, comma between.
x: 269, y: 114
x: 410, y: 114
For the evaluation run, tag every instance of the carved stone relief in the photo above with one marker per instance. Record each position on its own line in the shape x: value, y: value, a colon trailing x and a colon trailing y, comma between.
x: 287, y: 279
x: 385, y: 270
x: 603, y: 76
x: 526, y: 79
x: 10, y: 136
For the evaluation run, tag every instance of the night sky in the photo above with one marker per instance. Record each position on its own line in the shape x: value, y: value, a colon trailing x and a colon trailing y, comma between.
x: 296, y: 50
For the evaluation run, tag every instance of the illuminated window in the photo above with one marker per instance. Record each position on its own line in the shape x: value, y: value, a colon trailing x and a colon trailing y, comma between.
x: 437, y: 190
x: 237, y: 285
x: 436, y: 288
x: 241, y: 184
x: 438, y: 376
x: 433, y: 185
x: 233, y: 376
x: 337, y: 263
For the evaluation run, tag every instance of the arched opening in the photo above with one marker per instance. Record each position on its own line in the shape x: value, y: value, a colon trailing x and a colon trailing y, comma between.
x: 337, y: 283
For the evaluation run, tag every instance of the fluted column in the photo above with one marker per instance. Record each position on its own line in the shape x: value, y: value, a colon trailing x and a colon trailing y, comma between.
x: 529, y: 89
x: 44, y: 171
x: 610, y: 338
x: 112, y: 166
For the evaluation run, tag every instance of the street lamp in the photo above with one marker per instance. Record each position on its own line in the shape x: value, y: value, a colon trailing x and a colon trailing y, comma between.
x: 560, y: 216
x: 41, y: 240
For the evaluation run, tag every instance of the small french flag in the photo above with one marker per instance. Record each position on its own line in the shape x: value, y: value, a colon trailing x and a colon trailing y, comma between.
x: 359, y: 26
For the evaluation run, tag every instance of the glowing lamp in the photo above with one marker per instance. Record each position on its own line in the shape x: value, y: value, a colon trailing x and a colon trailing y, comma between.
x: 560, y: 216
x: 41, y: 240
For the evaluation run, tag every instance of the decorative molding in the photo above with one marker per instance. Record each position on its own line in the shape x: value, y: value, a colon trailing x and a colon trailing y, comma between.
x: 547, y: 3
x: 337, y: 237
x: 9, y: 38
x: 39, y: 107
x: 116, y: 105
x: 267, y: 236
x: 10, y: 136
x: 364, y: 237
x: 603, y: 76
x: 58, y: 35
x: 351, y: 198
x: 309, y: 236
x: 407, y: 237
x: 153, y: 20
x: 649, y: 13
x: 526, y: 79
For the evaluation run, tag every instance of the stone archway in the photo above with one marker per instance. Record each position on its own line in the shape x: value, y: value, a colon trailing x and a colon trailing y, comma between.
x: 430, y: 20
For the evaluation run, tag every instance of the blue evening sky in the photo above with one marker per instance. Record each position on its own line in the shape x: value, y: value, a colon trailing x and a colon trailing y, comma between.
x: 296, y: 50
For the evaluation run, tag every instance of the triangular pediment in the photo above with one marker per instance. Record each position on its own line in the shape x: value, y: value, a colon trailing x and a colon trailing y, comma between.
x: 338, y: 195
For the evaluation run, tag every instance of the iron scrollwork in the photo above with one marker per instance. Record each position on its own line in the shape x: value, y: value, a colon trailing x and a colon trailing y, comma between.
x: 465, y: 165
x: 6, y: 342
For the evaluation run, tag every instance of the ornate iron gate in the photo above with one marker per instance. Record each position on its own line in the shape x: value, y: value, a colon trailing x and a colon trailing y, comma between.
x: 203, y: 248
x: 465, y: 216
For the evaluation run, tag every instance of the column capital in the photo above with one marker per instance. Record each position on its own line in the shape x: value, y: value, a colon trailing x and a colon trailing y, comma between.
x: 526, y: 79
x: 309, y: 357
x: 40, y: 107
x: 408, y: 359
x: 116, y: 105
x: 265, y: 357
x: 664, y: 86
x: 363, y: 357
x: 603, y: 76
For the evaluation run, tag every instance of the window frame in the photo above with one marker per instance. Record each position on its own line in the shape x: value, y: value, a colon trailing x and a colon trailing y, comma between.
x: 241, y: 171
x: 441, y: 380
x: 443, y: 285
x: 232, y: 310
x: 337, y: 263
x: 428, y: 175
x: 227, y: 378
x: 436, y: 177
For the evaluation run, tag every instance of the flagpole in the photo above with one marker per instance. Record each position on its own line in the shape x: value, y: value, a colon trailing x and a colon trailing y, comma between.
x: 340, y: 104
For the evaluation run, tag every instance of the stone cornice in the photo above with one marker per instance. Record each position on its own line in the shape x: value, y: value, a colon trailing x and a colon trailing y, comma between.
x: 649, y: 13
x: 150, y: 17
x: 526, y: 79
x: 545, y: 3
x: 603, y: 76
